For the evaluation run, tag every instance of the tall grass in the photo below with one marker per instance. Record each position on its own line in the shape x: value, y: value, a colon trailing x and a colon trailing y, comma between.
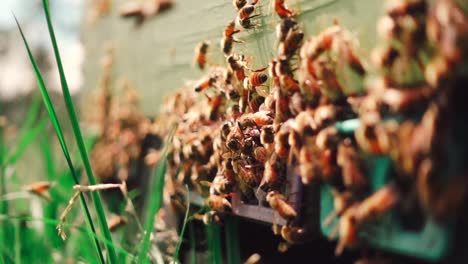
x: 78, y: 137
x: 56, y: 124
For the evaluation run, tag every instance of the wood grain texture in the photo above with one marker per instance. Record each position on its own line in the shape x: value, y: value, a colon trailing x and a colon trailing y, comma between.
x: 158, y: 55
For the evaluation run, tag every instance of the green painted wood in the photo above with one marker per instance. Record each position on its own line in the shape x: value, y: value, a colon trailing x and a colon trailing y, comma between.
x: 158, y: 55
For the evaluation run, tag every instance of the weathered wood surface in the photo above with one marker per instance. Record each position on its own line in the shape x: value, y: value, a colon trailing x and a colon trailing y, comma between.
x: 158, y: 55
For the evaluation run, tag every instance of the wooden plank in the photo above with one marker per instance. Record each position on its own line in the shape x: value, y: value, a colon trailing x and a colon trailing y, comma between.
x: 157, y: 56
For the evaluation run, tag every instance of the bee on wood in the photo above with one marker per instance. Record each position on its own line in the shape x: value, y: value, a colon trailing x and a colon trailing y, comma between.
x: 200, y: 54
x: 282, y: 10
x: 375, y: 205
x: 278, y: 203
x: 291, y: 43
x: 218, y: 203
x: 244, y: 16
x: 273, y: 175
x: 254, y: 80
x: 238, y: 4
x: 228, y: 40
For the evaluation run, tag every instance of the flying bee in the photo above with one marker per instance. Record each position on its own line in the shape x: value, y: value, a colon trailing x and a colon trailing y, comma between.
x: 116, y: 221
x: 200, y: 53
x: 41, y: 189
x: 282, y: 10
x: 244, y: 16
x: 293, y: 234
x: 228, y: 40
x: 278, y: 203
x: 218, y: 203
x: 204, y: 83
x: 211, y: 217
x: 215, y: 104
x: 230, y: 30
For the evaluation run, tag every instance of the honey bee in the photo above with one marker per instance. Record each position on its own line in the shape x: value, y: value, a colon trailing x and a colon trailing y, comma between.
x: 278, y: 203
x: 286, y: 77
x: 281, y: 9
x: 237, y: 65
x: 282, y: 147
x: 267, y: 135
x: 375, y: 205
x: 291, y: 43
x: 238, y: 4
x: 215, y: 104
x: 249, y: 176
x: 254, y: 80
x: 260, y: 154
x: 259, y: 119
x: 200, y: 54
x: 41, y: 189
x: 228, y: 39
x: 244, y: 16
x: 255, y: 102
x: 218, y: 203
x: 273, y: 173
x: 220, y: 185
x: 116, y: 221
x: 204, y: 83
x: 211, y: 217
x: 351, y: 167
x: 294, y: 234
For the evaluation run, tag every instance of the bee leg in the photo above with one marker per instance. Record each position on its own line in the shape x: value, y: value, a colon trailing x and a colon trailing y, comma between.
x: 329, y: 219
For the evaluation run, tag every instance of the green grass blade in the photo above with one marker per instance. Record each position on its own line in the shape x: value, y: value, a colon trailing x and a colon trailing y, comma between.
x: 55, y: 122
x: 232, y: 240
x: 78, y: 136
x: 193, y: 244
x: 26, y: 139
x: 213, y: 235
x: 182, y: 231
x: 153, y: 207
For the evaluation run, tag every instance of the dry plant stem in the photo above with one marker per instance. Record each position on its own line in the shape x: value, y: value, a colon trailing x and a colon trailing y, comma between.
x: 72, y: 201
x: 97, y: 187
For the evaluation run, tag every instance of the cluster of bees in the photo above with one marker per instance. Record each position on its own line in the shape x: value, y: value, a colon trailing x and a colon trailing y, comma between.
x: 251, y: 126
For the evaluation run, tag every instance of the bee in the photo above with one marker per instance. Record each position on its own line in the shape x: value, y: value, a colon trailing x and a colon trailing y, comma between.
x: 238, y: 4
x: 260, y: 154
x: 283, y: 28
x: 259, y: 119
x: 211, y: 217
x: 375, y: 205
x: 296, y: 103
x: 204, y: 83
x: 278, y: 203
x: 237, y: 64
x: 200, y: 54
x: 351, y: 167
x: 215, y: 104
x: 249, y: 175
x: 273, y: 173
x: 309, y: 168
x: 291, y: 43
x: 281, y: 9
x: 255, y: 102
x: 116, y: 221
x: 234, y: 112
x: 228, y: 40
x: 41, y: 189
x: 267, y: 135
x: 218, y: 203
x: 294, y: 234
x: 282, y: 147
x: 244, y: 16
x: 220, y: 185
x: 286, y: 76
x: 234, y: 139
x: 254, y: 80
